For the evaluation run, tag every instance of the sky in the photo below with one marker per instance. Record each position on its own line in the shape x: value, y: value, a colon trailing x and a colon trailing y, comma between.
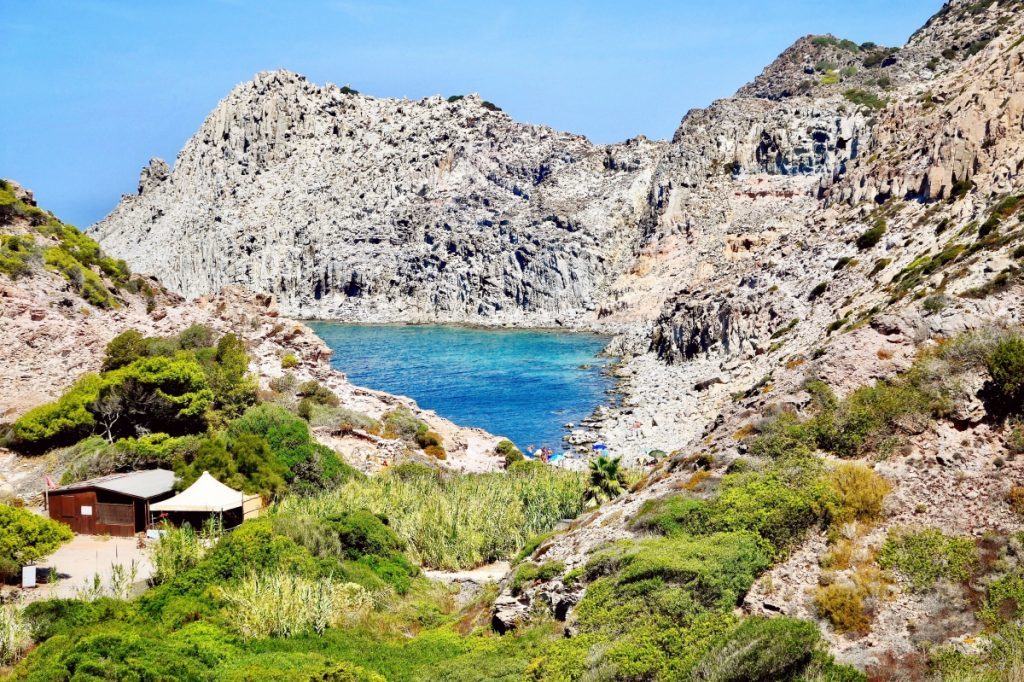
x: 95, y: 88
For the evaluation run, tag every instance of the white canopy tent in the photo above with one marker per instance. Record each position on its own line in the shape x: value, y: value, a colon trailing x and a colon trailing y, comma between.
x: 207, y: 494
x: 205, y: 498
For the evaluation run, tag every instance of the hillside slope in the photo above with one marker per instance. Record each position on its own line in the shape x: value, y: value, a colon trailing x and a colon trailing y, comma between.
x: 62, y: 301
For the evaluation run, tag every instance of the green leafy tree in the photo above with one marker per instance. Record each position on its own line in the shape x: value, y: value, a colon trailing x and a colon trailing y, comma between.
x: 607, y: 480
x: 244, y: 462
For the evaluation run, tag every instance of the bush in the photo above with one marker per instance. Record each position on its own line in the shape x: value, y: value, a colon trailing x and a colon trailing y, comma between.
x: 869, y: 417
x: 124, y: 349
x: 509, y: 453
x: 760, y: 649
x: 864, y: 98
x: 843, y: 606
x: 289, y: 361
x: 872, y: 236
x: 860, y: 492
x: 401, y: 423
x: 342, y: 420
x: 317, y: 393
x: 195, y: 337
x: 1006, y: 367
x: 244, y: 462
x: 924, y: 556
x: 26, y: 537
x: 817, y: 291
x: 778, y: 505
x: 1004, y: 600
x: 308, y: 464
x: 18, y: 255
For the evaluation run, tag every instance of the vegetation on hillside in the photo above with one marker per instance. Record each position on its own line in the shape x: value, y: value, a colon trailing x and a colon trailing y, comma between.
x: 63, y: 249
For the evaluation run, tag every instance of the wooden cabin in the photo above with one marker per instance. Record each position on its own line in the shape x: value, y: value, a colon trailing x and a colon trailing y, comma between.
x: 117, y: 504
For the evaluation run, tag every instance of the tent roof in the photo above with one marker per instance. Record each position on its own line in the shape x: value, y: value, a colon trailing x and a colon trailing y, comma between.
x: 207, y: 494
x: 142, y: 484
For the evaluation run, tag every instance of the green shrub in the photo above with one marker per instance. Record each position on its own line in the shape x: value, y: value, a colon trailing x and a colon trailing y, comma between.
x: 779, y: 505
x: 760, y: 649
x: 289, y: 361
x: 309, y: 466
x: 124, y: 349
x: 1004, y: 600
x: 86, y: 282
x: 1006, y: 367
x: 401, y: 423
x: 817, y: 291
x: 243, y: 461
x: 864, y: 98
x: 868, y: 418
x: 935, y: 303
x: 342, y: 419
x: 62, y: 422
x: 872, y: 236
x: 18, y: 255
x: 509, y: 453
x: 195, y: 337
x: 675, y: 577
x: 926, y: 555
x: 26, y: 537
x: 319, y: 394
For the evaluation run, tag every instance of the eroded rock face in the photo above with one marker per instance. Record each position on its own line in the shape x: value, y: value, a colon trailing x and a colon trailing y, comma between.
x: 352, y: 207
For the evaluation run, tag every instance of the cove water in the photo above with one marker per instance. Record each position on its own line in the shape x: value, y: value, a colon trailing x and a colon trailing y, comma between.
x: 524, y: 385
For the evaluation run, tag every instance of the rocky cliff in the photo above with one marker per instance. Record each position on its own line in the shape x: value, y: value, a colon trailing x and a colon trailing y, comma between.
x: 352, y: 207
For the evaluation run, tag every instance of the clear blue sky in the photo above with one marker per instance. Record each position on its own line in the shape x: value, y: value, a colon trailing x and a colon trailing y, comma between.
x: 94, y: 88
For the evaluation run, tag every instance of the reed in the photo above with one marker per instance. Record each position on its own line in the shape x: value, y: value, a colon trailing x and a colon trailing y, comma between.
x: 460, y: 521
x: 15, y: 636
x: 281, y: 604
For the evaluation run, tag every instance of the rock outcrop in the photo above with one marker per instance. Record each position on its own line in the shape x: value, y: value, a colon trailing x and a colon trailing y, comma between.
x: 351, y: 207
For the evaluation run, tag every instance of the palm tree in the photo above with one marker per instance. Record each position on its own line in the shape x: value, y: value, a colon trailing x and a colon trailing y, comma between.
x: 606, y: 481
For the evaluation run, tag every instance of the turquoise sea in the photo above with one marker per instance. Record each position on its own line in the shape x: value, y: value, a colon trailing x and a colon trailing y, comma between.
x: 524, y: 385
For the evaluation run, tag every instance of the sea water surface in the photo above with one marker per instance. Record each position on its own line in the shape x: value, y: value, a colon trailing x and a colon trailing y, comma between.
x: 524, y: 385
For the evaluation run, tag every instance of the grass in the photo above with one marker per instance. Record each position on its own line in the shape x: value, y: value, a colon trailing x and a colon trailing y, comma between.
x: 459, y: 522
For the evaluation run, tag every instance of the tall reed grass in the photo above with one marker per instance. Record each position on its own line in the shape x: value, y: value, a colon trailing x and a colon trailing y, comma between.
x: 282, y: 604
x: 15, y: 635
x: 460, y: 521
x: 178, y: 550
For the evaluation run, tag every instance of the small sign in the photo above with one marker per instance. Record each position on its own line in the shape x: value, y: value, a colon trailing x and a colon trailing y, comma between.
x: 86, y: 510
x: 28, y: 576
